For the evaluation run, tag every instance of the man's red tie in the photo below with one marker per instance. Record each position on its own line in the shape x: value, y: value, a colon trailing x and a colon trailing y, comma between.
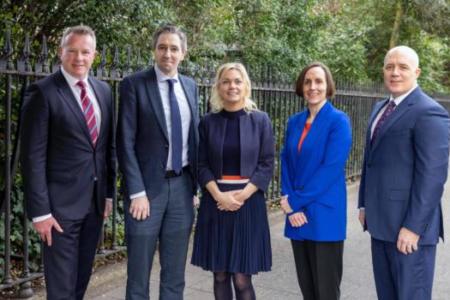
x: 387, y: 112
x: 88, y: 112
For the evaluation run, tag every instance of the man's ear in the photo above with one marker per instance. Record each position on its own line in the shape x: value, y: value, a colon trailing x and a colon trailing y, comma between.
x: 418, y: 70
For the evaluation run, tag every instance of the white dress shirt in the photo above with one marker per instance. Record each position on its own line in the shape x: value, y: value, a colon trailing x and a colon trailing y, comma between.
x: 185, y: 113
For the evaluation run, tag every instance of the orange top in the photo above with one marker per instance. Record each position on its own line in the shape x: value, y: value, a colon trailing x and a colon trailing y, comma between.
x: 302, y: 138
x: 233, y: 177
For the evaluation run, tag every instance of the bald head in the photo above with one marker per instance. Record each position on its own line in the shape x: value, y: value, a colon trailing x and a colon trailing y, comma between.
x: 406, y: 52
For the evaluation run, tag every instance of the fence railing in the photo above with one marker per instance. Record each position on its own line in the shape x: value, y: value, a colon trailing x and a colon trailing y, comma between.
x: 20, y: 257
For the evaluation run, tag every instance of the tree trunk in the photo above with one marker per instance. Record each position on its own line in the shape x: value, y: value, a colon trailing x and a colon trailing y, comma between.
x: 396, y: 27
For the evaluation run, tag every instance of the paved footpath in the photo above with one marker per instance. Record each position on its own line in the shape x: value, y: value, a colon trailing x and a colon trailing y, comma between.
x: 281, y: 283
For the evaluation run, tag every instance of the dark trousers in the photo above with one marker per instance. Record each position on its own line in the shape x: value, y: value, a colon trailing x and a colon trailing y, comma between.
x: 68, y: 262
x: 403, y: 277
x: 170, y: 225
x: 319, y: 268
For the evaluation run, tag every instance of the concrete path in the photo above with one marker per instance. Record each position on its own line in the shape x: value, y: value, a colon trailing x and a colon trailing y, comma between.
x: 281, y: 282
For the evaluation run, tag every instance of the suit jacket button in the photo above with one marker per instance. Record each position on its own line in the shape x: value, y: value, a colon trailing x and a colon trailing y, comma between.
x: 94, y: 178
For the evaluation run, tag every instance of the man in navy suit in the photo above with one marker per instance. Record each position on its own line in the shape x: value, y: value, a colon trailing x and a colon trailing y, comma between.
x: 157, y: 147
x: 68, y: 162
x: 403, y: 176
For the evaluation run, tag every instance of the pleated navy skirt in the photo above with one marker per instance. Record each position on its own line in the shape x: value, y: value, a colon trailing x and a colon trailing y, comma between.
x: 235, y: 242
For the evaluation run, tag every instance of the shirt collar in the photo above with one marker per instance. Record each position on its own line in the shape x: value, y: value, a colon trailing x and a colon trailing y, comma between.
x: 161, y: 77
x: 400, y: 98
x: 72, y: 80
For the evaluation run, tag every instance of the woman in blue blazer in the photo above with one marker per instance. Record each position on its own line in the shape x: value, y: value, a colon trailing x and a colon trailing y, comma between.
x: 316, y: 148
x: 236, y: 157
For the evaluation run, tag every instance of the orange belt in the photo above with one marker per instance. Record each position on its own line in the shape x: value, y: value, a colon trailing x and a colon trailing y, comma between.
x: 232, y: 177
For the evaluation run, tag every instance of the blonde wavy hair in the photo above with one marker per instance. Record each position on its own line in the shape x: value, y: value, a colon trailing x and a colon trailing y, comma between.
x: 216, y: 102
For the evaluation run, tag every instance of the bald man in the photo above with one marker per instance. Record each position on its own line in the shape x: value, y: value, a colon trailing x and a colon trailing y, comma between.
x: 403, y: 176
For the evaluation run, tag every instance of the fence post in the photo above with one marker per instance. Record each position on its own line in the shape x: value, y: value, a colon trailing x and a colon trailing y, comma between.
x: 8, y: 51
x: 41, y: 64
x: 139, y: 64
x: 23, y: 65
x: 115, y: 68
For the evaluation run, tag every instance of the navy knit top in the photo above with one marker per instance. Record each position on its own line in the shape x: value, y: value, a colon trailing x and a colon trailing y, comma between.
x: 232, y: 145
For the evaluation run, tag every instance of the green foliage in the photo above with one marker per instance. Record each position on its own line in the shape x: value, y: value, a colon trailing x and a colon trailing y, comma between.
x: 424, y: 26
x: 17, y: 230
x: 351, y: 36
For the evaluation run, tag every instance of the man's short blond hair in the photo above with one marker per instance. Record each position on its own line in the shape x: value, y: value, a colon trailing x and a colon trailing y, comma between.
x: 80, y: 30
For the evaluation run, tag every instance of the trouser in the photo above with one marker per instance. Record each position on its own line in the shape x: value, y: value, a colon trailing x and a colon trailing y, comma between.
x: 319, y: 268
x: 403, y: 277
x: 68, y: 262
x: 170, y: 225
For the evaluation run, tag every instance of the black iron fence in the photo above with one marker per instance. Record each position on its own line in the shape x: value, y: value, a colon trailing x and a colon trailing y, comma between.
x: 20, y: 248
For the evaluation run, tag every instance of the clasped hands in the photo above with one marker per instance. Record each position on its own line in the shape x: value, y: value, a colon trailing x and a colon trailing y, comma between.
x: 230, y: 200
x: 297, y: 219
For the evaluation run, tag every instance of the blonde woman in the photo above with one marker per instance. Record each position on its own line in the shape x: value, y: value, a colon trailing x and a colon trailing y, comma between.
x: 236, y: 156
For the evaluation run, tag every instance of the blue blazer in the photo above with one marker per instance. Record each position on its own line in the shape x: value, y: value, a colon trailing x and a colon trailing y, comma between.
x: 257, y: 148
x: 142, y: 138
x: 314, y: 178
x: 62, y: 169
x: 405, y: 169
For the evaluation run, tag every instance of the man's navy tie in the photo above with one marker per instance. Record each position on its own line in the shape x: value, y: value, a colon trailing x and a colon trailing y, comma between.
x: 389, y: 109
x: 176, y: 138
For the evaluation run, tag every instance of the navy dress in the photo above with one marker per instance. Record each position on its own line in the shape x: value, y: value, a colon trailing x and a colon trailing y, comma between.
x: 238, y: 241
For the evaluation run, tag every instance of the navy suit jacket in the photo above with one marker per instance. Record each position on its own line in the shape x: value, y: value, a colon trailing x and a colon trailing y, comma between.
x: 257, y: 148
x: 314, y: 178
x: 62, y: 170
x: 405, y: 169
x: 142, y: 140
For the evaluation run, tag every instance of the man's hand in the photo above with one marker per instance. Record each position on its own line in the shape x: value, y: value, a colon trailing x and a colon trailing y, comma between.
x: 140, y: 208
x: 362, y: 217
x: 108, y: 209
x: 44, y: 229
x: 407, y: 241
x: 285, y: 205
x: 298, y: 219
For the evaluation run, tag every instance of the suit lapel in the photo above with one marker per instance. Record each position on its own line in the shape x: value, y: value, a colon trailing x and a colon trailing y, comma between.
x: 154, y: 97
x: 294, y: 137
x: 375, y: 111
x: 101, y: 103
x: 314, y: 135
x: 300, y: 126
x: 68, y: 97
x: 189, y: 95
x: 401, y: 109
